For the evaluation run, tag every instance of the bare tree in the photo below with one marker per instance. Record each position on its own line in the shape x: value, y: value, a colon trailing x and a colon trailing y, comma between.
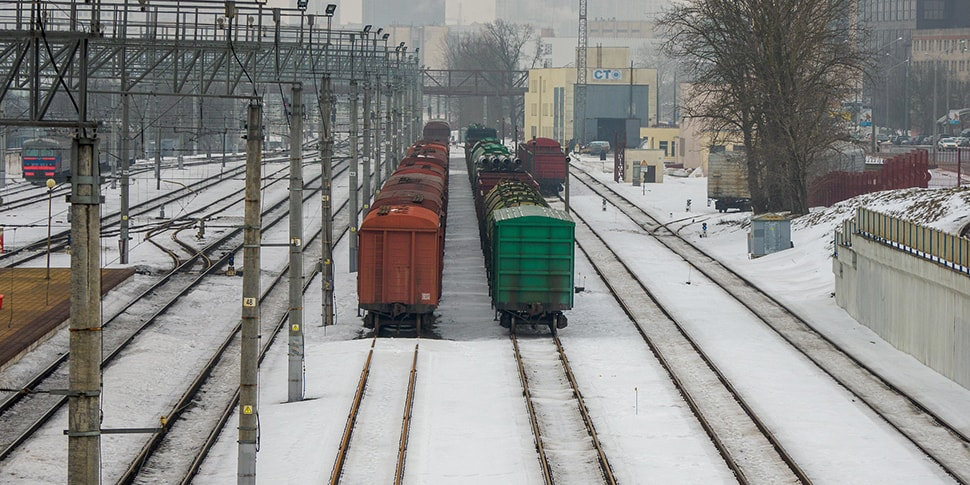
x: 771, y: 73
x: 499, y: 49
x: 509, y: 42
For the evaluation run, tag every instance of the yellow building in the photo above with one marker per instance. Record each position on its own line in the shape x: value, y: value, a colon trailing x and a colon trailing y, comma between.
x: 667, y: 139
x: 619, y: 99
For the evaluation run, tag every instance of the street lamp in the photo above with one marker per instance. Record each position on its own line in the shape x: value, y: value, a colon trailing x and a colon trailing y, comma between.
x: 888, y: 71
x: 884, y: 47
x: 51, y: 183
x: 331, y: 8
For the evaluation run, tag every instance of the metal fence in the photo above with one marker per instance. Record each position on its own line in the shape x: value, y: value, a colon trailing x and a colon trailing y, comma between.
x: 899, y: 172
x: 947, y: 249
x: 954, y: 162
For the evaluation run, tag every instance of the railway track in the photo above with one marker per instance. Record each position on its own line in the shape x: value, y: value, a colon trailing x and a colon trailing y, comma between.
x: 387, y: 399
x: 214, y: 392
x: 59, y: 239
x: 942, y: 443
x: 745, y: 443
x: 52, y: 376
x: 568, y: 452
x: 212, y: 395
x: 22, y: 413
x: 38, y: 193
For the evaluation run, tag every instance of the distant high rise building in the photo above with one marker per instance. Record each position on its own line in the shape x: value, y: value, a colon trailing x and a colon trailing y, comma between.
x: 383, y: 13
x: 563, y: 16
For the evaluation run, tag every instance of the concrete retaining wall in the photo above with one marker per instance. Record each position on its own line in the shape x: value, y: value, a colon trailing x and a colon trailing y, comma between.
x: 920, y: 306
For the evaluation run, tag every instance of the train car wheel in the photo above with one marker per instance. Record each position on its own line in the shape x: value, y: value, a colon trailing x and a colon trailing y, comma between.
x: 505, y: 321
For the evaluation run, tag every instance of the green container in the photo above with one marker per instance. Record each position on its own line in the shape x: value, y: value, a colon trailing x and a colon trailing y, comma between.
x: 533, y: 259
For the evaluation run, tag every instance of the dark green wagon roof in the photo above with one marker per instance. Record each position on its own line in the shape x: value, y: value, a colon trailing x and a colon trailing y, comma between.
x: 523, y: 211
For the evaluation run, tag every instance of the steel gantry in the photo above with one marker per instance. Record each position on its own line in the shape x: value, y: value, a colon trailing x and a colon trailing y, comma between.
x: 189, y: 52
x: 198, y: 69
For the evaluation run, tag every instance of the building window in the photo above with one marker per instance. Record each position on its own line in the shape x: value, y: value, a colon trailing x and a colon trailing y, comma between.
x: 933, y: 10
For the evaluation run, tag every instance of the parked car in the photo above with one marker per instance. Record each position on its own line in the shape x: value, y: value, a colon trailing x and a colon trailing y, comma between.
x: 949, y: 143
x: 598, y: 147
x: 921, y: 140
x: 900, y: 139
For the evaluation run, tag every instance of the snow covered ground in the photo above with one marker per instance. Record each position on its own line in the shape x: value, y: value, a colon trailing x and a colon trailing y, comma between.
x: 469, y: 419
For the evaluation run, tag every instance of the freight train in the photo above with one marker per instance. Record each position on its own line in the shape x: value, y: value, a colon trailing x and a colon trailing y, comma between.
x: 528, y: 245
x: 476, y: 132
x: 545, y: 160
x: 401, y: 241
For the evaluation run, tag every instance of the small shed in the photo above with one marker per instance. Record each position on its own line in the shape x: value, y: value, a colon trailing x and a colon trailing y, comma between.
x: 646, y: 165
x: 769, y: 233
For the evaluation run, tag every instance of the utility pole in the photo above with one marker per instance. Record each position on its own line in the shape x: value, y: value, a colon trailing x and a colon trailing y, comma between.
x: 354, y: 160
x: 3, y: 153
x: 579, y: 110
x: 365, y: 195
x: 377, y: 118
x: 398, y: 114
x: 125, y: 165
x: 388, y: 128
x: 158, y: 154
x: 295, y: 369
x: 326, y: 156
x: 84, y: 393
x: 249, y: 351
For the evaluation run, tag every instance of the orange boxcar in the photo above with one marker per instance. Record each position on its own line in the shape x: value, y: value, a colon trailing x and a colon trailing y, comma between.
x: 400, y: 264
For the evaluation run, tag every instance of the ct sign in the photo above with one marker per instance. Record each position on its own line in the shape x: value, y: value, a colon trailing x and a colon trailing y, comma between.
x: 606, y: 74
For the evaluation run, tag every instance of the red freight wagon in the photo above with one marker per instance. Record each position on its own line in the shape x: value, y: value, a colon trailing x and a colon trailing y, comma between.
x: 437, y: 130
x: 545, y: 160
x: 417, y: 187
x: 422, y: 168
x: 423, y: 160
x: 425, y: 147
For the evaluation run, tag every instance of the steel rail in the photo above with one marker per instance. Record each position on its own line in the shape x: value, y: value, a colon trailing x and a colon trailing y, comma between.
x: 406, y: 421
x: 230, y: 408
x: 533, y: 420
x: 338, y: 463
x: 733, y: 462
x: 587, y: 420
x: 115, y: 218
x: 15, y: 398
x: 191, y: 393
x: 945, y: 444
